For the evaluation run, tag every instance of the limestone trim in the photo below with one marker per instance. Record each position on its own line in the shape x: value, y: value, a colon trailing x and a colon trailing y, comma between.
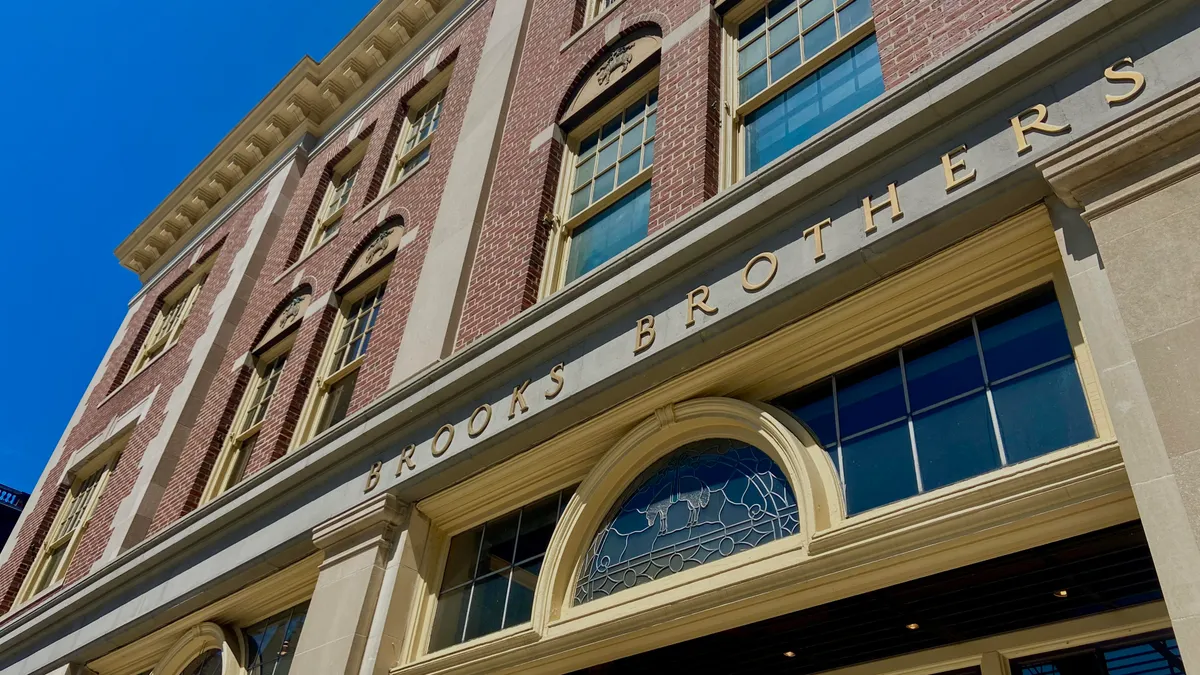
x: 313, y: 98
x: 368, y: 523
x: 203, y: 638
x: 1135, y: 156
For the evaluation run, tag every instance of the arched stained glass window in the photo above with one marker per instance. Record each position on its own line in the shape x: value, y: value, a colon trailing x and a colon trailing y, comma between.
x: 208, y: 663
x: 705, y: 501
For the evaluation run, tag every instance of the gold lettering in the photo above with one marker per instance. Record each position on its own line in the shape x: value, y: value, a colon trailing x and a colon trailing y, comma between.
x: 644, y: 334
x: 815, y: 231
x: 698, y: 299
x: 373, y: 477
x: 869, y: 209
x: 767, y: 257
x: 951, y: 165
x: 518, y: 399
x: 406, y: 459
x: 487, y: 411
x: 1131, y: 76
x: 556, y: 376
x: 446, y: 430
x: 1038, y: 124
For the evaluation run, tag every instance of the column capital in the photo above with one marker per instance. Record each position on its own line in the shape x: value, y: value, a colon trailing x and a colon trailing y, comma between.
x: 1130, y: 158
x: 371, y: 522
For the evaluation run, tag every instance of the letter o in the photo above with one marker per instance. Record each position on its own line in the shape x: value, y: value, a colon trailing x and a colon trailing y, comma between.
x: 765, y: 256
x: 471, y: 430
x: 446, y: 430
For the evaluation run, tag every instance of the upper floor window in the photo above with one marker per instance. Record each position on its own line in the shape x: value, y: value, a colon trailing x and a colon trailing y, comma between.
x: 271, y: 643
x: 248, y: 421
x: 169, y: 321
x: 70, y: 522
x: 491, y: 573
x: 597, y: 7
x: 420, y: 123
x: 333, y: 205
x: 604, y: 204
x: 800, y: 66
x: 997, y: 388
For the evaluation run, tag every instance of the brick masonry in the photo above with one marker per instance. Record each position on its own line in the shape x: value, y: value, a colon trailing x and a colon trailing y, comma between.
x: 913, y: 34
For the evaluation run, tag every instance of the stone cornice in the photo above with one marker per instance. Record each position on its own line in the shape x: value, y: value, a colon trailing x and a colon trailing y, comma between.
x: 1130, y: 158
x: 310, y: 99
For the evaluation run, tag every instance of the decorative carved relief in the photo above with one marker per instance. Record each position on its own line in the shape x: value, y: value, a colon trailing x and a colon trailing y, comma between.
x: 380, y: 247
x: 618, y: 60
x: 629, y: 59
x: 288, y: 319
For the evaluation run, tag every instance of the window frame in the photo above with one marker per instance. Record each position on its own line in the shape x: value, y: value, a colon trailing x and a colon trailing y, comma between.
x: 597, y: 9
x: 733, y: 130
x: 45, y: 575
x: 433, y: 93
x: 167, y: 327
x: 230, y: 467
x: 329, y: 217
x: 562, y: 223
x: 327, y: 374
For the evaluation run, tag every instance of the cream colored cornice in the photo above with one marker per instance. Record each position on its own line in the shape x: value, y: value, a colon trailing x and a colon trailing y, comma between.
x: 312, y: 98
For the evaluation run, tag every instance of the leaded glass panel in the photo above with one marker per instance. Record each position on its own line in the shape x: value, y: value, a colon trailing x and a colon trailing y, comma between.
x: 706, y: 501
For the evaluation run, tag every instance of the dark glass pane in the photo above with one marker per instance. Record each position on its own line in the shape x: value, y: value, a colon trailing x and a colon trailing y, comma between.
x: 537, y: 526
x: 854, y: 14
x: 956, y: 441
x: 785, y: 61
x: 499, y: 544
x: 1135, y: 656
x: 816, y: 10
x: 1158, y: 657
x: 777, y: 8
x: 705, y: 501
x: 753, y: 83
x: 609, y: 232
x: 648, y: 154
x: 1042, y: 412
x: 520, y: 595
x: 486, y: 614
x: 610, y: 129
x: 450, y: 618
x: 751, y: 25
x: 587, y: 145
x: 942, y: 367
x: 635, y: 110
x: 813, y: 405
x: 831, y: 93
x: 339, y: 400
x: 819, y: 38
x: 879, y: 468
x: 870, y: 395
x: 460, y: 563
x: 1022, y: 334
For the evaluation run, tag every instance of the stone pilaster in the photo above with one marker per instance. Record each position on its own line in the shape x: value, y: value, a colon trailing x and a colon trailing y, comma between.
x: 1128, y: 225
x: 359, y: 609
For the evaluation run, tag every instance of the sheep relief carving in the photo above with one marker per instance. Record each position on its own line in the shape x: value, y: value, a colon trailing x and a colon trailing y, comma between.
x: 637, y: 54
x: 707, y: 500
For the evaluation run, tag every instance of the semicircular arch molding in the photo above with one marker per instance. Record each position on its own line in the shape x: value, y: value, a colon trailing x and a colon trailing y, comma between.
x: 202, y: 638
x: 372, y: 253
x: 628, y: 58
x: 804, y: 464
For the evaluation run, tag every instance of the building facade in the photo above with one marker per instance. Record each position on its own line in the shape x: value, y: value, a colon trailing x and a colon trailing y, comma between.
x: 802, y: 336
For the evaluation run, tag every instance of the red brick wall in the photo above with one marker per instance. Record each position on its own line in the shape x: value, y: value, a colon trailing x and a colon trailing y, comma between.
x: 415, y: 200
x: 507, y: 267
x: 915, y: 34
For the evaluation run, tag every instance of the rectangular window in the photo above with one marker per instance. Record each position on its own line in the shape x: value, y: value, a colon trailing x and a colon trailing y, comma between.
x: 235, y: 454
x: 997, y: 388
x: 69, y: 524
x: 605, y: 195
x: 271, y: 644
x: 800, y: 67
x: 598, y: 7
x: 491, y: 572
x: 333, y: 205
x: 1143, y: 655
x: 353, y: 331
x: 416, y: 136
x: 170, y: 320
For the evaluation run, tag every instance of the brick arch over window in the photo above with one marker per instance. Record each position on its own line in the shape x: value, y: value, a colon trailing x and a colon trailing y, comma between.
x: 378, y: 245
x: 318, y: 195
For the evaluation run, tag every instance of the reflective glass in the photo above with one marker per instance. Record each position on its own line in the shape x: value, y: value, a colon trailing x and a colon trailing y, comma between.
x: 460, y: 563
x: 785, y: 61
x: 609, y: 232
x: 537, y: 526
x: 814, y: 407
x: 499, y: 544
x: 1145, y: 655
x: 870, y: 395
x: 854, y: 14
x: 819, y: 38
x: 648, y: 154
x: 705, y: 501
x: 956, y: 441
x: 752, y: 54
x: 878, y: 468
x: 271, y: 644
x: 1042, y: 412
x: 942, y: 367
x: 583, y: 173
x: 604, y: 182
x: 752, y: 25
x: 486, y: 614
x: 777, y: 8
x: 753, y: 83
x: 629, y: 167
x: 632, y: 139
x: 831, y: 93
x: 784, y: 31
x: 450, y: 619
x: 1022, y: 335
x: 816, y: 10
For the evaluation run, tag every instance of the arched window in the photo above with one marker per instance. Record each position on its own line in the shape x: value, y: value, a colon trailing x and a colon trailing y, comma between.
x: 208, y: 663
x: 705, y: 501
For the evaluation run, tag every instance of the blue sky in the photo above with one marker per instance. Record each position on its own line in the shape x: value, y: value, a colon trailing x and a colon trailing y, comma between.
x: 106, y: 108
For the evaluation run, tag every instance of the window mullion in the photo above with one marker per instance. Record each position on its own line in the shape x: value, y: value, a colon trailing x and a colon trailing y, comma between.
x: 987, y: 387
x: 837, y: 432
x: 912, y: 430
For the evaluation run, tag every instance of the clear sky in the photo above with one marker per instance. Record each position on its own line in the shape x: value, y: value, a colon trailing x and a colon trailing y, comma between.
x: 105, y: 108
